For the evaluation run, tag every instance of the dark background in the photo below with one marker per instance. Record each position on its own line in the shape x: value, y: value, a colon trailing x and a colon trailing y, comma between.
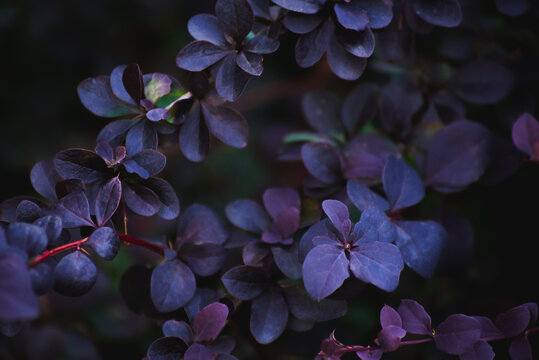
x: 48, y: 47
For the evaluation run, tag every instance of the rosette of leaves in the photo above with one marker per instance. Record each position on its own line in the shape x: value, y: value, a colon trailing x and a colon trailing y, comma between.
x: 276, y: 303
x: 366, y: 250
x: 341, y: 29
x: 338, y: 150
x: 135, y: 182
x: 227, y: 40
x: 149, y: 102
x: 198, y: 250
x: 420, y: 242
x: 201, y: 341
x: 275, y: 224
x: 205, y: 114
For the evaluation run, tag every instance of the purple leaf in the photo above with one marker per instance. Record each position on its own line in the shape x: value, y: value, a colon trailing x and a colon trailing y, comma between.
x: 249, y: 62
x: 198, y: 352
x: 157, y: 114
x: 377, y: 263
x: 125, y: 76
x: 323, y: 111
x: 446, y: 13
x: 287, y: 260
x: 287, y: 224
x: 30, y: 238
x: 145, y: 163
x: 139, y: 137
x: 96, y: 96
x: 363, y: 198
x: 324, y: 270
x: 200, y: 225
x: 323, y: 161
x: 172, y: 286
x: 402, y: 184
x: 210, y: 321
x: 205, y: 27
x: 261, y: 44
x: 236, y: 18
x: 107, y: 201
x: 170, y: 205
x: 74, y: 210
x: 514, y: 321
x: 17, y: 300
x: 255, y: 253
x: 457, y: 334
x: 344, y: 64
x: 205, y: 259
x: 166, y: 348
x: 278, y: 200
x: 42, y: 277
x: 44, y: 178
x: 457, y: 156
x: 520, y: 349
x: 512, y: 7
x: 352, y: 15
x: 194, y: 136
x: 415, y: 319
x: 311, y: 46
x: 80, y: 164
x: 269, y: 315
x: 179, y: 329
x: 223, y: 345
x: 299, y: 23
x: 483, y: 82
x: 481, y: 351
x: 104, y: 242
x: 525, y: 135
x: 301, y: 6
x: 366, y: 155
x: 390, y: 337
x: 52, y: 226
x: 227, y: 125
x: 374, y: 225
x: 114, y: 132
x: 338, y: 214
x: 231, y: 80
x: 27, y: 211
x: 397, y: 106
x: 248, y: 215
x: 245, y: 282
x: 304, y: 308
x: 360, y: 44
x: 140, y: 199
x: 488, y: 328
x: 370, y: 354
x: 389, y: 316
x: 202, y: 298
x: 199, y: 55
x: 75, y: 274
x: 316, y: 230
x: 421, y: 243
x: 359, y: 107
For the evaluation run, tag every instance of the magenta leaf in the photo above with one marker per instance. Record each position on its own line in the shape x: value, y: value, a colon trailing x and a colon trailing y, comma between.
x: 210, y: 321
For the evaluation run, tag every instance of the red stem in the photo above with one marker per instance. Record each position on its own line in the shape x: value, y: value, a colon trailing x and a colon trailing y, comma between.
x: 430, y: 339
x: 126, y: 239
x: 59, y: 249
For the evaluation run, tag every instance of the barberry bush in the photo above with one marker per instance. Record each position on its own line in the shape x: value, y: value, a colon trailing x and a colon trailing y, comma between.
x: 309, y: 178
